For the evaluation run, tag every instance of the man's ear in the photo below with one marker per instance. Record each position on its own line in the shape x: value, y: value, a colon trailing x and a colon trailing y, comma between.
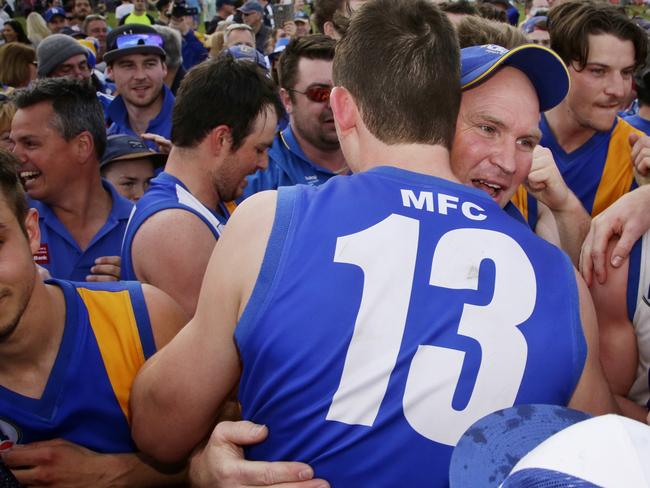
x: 33, y: 230
x: 329, y: 30
x: 346, y: 112
x: 85, y: 146
x: 285, y: 96
x: 220, y: 140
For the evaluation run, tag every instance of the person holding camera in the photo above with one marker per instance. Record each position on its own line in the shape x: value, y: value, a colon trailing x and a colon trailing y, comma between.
x: 182, y: 19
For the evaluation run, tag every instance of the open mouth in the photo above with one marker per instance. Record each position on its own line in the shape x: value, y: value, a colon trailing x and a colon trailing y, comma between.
x: 28, y: 176
x: 490, y: 188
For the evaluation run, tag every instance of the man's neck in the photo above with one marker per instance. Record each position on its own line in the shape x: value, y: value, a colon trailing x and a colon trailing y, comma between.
x: 331, y: 159
x: 83, y: 207
x: 644, y: 112
x: 418, y: 158
x: 28, y: 355
x: 569, y: 134
x: 193, y: 169
x: 140, y: 117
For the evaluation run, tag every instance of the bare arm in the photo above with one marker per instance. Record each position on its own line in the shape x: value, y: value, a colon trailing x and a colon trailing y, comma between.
x: 592, y: 393
x: 171, y: 251
x: 546, y: 184
x: 62, y: 463
x: 186, y: 382
x: 628, y: 218
x: 618, y: 344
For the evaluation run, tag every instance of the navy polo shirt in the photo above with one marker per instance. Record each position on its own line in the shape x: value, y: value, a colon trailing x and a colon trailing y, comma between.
x: 59, y: 252
x: 161, y: 124
x: 288, y: 166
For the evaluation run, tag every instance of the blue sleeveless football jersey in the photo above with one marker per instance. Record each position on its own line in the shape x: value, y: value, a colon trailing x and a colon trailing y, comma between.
x: 106, y: 339
x: 166, y: 192
x: 392, y: 310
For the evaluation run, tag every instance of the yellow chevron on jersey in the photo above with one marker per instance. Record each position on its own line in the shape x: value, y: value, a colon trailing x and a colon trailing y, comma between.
x: 520, y: 200
x: 618, y: 173
x: 113, y: 321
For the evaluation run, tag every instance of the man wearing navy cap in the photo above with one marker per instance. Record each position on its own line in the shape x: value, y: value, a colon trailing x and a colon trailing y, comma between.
x: 135, y: 60
x: 303, y: 27
x: 55, y: 18
x: 253, y: 15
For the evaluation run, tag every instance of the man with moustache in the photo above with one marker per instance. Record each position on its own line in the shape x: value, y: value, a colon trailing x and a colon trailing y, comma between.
x: 135, y: 60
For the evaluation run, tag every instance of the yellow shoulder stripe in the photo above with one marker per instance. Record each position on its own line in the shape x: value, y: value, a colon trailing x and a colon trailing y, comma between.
x: 520, y: 200
x: 113, y: 322
x: 618, y: 172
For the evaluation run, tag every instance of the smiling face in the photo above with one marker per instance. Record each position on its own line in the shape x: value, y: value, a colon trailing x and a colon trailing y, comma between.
x: 17, y: 272
x: 600, y: 89
x: 139, y: 78
x: 9, y: 34
x: 47, y: 159
x: 312, y: 121
x: 496, y: 133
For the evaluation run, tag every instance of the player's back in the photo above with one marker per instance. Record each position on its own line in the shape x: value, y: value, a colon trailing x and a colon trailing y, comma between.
x: 393, y: 310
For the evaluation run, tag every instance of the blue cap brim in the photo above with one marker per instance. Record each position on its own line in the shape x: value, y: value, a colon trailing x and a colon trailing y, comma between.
x: 544, y: 69
x: 490, y: 448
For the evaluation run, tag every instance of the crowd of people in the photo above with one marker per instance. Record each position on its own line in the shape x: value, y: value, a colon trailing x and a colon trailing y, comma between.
x: 257, y: 243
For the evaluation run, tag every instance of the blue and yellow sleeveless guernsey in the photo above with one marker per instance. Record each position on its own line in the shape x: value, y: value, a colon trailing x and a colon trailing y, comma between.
x: 393, y: 310
x: 599, y: 172
x: 167, y: 192
x: 106, y: 339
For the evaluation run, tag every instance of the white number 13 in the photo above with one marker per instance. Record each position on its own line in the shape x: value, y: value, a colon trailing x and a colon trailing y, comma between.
x: 386, y: 253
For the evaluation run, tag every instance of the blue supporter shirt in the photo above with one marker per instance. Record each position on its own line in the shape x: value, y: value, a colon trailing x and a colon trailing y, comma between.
x: 118, y: 115
x: 288, y: 166
x: 59, y: 252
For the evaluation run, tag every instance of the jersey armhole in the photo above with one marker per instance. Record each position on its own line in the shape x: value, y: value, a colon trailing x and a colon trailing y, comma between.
x: 579, y: 339
x: 271, y: 264
x: 142, y: 320
x: 633, y: 277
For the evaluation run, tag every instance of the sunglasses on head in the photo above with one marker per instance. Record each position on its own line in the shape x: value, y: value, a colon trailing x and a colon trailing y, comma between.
x: 134, y: 40
x: 318, y: 94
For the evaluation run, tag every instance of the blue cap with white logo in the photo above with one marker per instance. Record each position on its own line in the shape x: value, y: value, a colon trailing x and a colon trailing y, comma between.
x: 544, y: 69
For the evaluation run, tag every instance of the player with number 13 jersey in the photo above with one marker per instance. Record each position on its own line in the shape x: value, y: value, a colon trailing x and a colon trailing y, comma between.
x: 476, y: 304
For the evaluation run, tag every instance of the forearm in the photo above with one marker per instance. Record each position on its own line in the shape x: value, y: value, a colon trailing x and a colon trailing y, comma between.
x: 573, y: 223
x: 128, y: 470
x: 631, y: 409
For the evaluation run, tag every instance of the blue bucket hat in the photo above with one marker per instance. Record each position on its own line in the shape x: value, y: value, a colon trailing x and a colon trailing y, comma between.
x: 542, y: 446
x: 544, y: 69
x: 506, y: 435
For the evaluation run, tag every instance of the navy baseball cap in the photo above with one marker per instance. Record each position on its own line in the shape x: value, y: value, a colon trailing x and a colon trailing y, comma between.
x: 251, y: 6
x: 544, y: 69
x: 50, y: 13
x: 133, y: 39
x: 539, y: 446
x: 247, y: 53
x: 124, y: 147
x: 301, y: 17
